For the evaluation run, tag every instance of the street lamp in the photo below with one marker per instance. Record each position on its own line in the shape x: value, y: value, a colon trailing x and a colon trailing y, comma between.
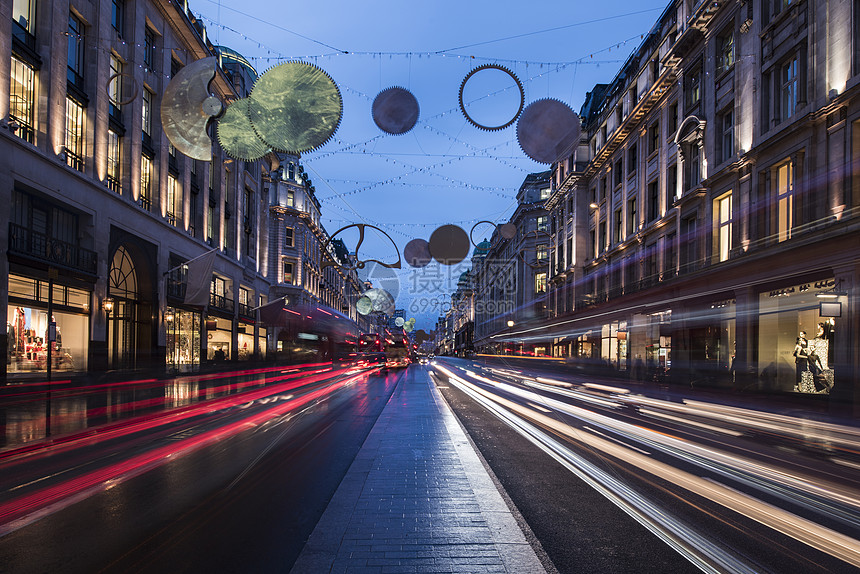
x: 510, y: 323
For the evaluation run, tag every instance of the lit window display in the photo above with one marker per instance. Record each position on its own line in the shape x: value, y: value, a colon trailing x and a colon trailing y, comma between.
x: 796, y: 337
x: 245, y: 341
x: 262, y: 338
x: 183, y: 339
x: 27, y: 326
x: 219, y: 335
x: 27, y: 330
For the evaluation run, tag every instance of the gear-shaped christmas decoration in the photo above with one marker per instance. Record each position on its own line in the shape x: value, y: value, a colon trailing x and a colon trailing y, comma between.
x: 395, y: 110
x: 516, y: 81
x: 295, y: 107
x: 187, y: 106
x: 548, y: 130
x: 237, y: 136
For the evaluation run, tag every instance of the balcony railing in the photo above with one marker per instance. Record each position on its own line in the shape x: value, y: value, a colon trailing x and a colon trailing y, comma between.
x: 35, y: 245
x: 221, y: 303
x: 246, y: 310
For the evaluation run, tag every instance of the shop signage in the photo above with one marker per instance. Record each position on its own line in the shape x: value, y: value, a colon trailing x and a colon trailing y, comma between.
x: 804, y: 288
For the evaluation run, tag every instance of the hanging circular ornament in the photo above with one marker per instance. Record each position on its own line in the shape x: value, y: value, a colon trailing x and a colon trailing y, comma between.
x: 417, y: 253
x: 364, y: 305
x: 449, y: 244
x: 508, y: 230
x: 395, y: 111
x: 548, y: 130
x: 516, y: 81
x: 472, y: 231
x: 381, y: 300
x: 237, y: 136
x: 295, y: 107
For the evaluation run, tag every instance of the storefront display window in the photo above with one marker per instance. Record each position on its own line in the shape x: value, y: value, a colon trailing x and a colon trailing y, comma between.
x: 658, y: 344
x: 27, y: 329
x: 795, y: 340
x: 246, y: 341
x: 183, y: 339
x: 262, y: 338
x: 27, y: 326
x: 614, y: 344
x: 220, y: 334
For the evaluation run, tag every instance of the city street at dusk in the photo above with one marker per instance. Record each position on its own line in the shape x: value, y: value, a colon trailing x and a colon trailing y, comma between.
x: 454, y: 287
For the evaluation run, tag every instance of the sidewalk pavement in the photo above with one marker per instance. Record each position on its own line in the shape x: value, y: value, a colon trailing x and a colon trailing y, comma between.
x: 417, y: 499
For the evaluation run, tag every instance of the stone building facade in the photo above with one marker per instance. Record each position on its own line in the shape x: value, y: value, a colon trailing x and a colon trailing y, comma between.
x: 100, y: 213
x: 714, y: 201
x: 510, y: 275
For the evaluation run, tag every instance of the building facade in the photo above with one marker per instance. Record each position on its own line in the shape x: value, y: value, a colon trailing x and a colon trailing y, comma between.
x: 510, y: 274
x: 714, y: 201
x: 101, y: 214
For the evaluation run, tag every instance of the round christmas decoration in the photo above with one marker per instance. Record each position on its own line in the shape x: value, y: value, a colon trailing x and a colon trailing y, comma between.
x: 295, y: 107
x: 449, y: 244
x: 395, y: 111
x: 417, y: 253
x: 548, y: 130
x: 516, y: 81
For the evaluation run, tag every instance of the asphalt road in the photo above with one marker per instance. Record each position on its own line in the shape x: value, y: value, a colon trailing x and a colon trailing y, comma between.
x: 579, y: 529
x: 244, y: 504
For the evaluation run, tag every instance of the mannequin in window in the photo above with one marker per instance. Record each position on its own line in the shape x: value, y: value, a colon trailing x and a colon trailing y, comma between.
x: 804, y: 381
x: 819, y: 351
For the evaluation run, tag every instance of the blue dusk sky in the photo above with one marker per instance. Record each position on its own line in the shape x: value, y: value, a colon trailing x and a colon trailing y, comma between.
x: 444, y: 170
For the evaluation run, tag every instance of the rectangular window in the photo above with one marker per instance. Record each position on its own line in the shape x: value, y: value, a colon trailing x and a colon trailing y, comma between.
x: 146, y: 116
x: 603, y: 238
x: 619, y: 174
x: 653, y: 138
x: 144, y: 199
x: 540, y: 282
x: 149, y: 58
x: 289, y: 238
x: 671, y: 185
x: 632, y: 217
x: 24, y: 16
x: 692, y: 166
x: 542, y: 223
x: 22, y: 100
x: 115, y: 88
x: 602, y: 188
x: 74, y: 134
x: 726, y: 134
x: 619, y: 229
x: 692, y: 88
x: 632, y: 159
x: 788, y: 88
x: 669, y: 264
x: 117, y: 15
x: 592, y: 244
x: 542, y: 252
x: 194, y: 213
x: 689, y: 244
x: 114, y: 164
x: 545, y: 193
x: 723, y: 213
x: 174, y: 201
x: 725, y: 51
x: 673, y: 120
x: 653, y: 200
x: 75, y: 55
x: 289, y: 273
x: 785, y: 200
